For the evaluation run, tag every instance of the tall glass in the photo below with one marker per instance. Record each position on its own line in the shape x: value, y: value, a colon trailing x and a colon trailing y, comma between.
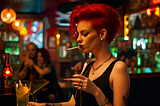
x: 22, y: 92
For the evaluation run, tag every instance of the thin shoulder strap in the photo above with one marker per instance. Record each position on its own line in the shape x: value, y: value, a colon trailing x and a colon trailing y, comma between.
x: 86, y: 63
x: 112, y: 65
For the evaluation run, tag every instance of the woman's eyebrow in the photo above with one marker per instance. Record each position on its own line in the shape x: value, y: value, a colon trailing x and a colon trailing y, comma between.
x: 84, y: 30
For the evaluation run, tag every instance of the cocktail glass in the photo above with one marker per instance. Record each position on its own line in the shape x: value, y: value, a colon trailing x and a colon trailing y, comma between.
x: 22, y: 92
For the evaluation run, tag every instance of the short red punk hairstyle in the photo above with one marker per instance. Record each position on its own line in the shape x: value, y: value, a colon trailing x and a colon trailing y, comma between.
x: 101, y: 16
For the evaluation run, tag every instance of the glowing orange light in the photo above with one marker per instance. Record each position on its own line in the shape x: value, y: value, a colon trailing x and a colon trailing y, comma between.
x: 156, y: 1
x: 8, y: 72
x: 157, y: 11
x: 67, y: 44
x: 17, y: 24
x: 8, y: 15
x: 58, y: 38
x: 148, y: 12
x: 127, y: 30
x: 23, y: 31
x: 126, y: 23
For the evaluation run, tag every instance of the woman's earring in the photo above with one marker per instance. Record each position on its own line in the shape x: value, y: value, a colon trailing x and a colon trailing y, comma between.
x: 101, y: 38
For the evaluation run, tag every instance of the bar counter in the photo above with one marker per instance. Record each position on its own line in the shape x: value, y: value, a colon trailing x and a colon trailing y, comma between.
x: 144, y: 72
x: 145, y: 86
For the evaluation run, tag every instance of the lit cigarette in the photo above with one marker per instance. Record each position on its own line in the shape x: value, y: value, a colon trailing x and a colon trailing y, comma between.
x: 72, y: 48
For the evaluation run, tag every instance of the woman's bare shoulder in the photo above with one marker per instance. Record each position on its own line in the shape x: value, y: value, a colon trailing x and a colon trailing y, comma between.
x: 120, y: 66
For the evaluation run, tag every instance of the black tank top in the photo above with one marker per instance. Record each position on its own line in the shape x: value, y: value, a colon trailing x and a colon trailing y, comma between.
x: 102, y: 82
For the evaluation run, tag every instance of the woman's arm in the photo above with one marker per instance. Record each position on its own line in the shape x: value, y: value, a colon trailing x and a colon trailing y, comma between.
x: 120, y: 83
x: 23, y: 71
x: 89, y: 87
x: 69, y: 103
x: 42, y: 72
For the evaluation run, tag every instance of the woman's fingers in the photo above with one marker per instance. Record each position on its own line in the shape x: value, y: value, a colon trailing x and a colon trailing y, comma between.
x: 79, y: 81
x: 79, y: 76
x: 75, y: 83
x: 31, y: 103
x: 35, y: 104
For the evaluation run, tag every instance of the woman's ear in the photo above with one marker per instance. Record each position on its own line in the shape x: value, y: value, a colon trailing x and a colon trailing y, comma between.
x: 103, y: 34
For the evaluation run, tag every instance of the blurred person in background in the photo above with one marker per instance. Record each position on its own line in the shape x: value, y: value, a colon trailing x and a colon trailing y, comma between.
x: 127, y: 54
x: 52, y: 92
x: 26, y: 70
x: 2, y: 46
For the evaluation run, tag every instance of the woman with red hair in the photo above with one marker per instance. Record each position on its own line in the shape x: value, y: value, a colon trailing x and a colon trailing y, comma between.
x: 105, y: 81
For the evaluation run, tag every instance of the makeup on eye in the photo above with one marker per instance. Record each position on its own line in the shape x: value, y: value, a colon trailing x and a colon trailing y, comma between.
x: 84, y: 33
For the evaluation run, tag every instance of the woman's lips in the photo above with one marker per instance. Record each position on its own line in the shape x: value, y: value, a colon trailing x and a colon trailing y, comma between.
x: 81, y: 46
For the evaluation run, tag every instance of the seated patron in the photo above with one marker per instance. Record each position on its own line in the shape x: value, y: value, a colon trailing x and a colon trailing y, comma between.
x: 27, y: 72
x: 127, y: 54
x: 52, y: 92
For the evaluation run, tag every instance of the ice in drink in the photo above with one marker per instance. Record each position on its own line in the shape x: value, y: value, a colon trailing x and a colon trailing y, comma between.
x: 22, y: 93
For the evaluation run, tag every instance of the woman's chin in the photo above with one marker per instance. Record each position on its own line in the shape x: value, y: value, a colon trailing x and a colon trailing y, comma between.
x: 85, y: 51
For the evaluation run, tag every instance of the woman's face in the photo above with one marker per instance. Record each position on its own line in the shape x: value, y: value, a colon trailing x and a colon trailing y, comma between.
x: 88, y: 38
x: 40, y: 59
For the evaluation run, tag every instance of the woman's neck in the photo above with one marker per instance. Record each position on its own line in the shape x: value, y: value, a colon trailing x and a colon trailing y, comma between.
x: 102, y: 54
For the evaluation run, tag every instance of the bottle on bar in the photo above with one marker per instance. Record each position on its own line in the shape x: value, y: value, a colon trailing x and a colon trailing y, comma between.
x: 138, y: 58
x: 1, y: 83
x: 7, y: 75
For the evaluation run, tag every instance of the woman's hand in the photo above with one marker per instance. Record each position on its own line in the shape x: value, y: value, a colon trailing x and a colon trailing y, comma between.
x: 26, y: 63
x: 84, y: 83
x: 31, y: 63
x: 36, y: 104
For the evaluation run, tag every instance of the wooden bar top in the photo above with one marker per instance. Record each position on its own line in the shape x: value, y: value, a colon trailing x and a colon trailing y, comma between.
x: 37, y: 85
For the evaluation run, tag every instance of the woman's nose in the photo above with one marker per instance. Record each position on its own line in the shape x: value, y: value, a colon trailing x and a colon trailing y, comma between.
x: 79, y: 39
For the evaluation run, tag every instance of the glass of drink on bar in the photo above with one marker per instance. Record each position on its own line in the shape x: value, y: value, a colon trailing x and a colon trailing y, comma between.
x: 22, y: 92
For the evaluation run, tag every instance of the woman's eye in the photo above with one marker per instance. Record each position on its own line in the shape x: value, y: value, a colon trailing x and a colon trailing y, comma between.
x: 85, y: 34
